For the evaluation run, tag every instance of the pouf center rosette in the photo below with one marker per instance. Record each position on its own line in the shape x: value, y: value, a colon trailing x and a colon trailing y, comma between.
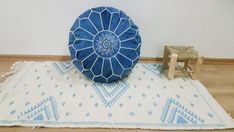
x: 104, y: 44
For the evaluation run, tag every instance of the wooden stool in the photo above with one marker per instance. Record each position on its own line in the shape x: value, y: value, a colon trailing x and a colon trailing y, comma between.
x: 182, y: 54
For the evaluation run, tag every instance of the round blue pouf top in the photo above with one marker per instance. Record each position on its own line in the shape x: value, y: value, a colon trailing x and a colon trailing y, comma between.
x: 104, y: 44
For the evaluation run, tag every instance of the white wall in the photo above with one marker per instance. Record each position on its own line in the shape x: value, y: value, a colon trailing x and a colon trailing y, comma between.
x: 42, y: 26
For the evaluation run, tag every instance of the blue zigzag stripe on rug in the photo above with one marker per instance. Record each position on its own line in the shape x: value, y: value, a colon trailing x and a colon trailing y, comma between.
x: 44, y: 110
x: 110, y: 93
x: 63, y: 67
x: 156, y: 69
x: 176, y: 113
x: 143, y: 100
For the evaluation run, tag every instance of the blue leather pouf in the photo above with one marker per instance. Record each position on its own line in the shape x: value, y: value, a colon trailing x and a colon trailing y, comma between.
x: 104, y: 44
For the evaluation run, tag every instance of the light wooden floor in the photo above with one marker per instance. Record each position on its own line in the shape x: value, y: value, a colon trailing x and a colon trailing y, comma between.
x: 219, y: 79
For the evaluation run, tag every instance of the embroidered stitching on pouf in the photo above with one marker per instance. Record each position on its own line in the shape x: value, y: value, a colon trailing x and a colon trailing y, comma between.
x: 104, y: 44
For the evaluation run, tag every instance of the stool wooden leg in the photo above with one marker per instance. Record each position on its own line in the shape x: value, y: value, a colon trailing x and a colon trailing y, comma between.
x: 186, y: 64
x: 172, y: 66
x: 165, y: 58
x: 197, y: 68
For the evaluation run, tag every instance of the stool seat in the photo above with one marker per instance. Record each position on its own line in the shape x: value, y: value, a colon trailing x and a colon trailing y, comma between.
x: 183, y: 54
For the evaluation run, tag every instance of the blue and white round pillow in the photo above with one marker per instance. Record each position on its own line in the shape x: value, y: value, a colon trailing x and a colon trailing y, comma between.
x: 104, y: 44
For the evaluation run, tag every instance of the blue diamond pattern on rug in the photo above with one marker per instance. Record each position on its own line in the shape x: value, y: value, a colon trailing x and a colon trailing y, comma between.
x: 176, y: 113
x: 109, y: 93
x: 63, y: 67
x: 156, y: 69
x: 46, y: 110
x: 38, y: 95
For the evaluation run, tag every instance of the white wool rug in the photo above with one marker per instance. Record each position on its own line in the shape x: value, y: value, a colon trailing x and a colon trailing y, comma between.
x: 55, y: 94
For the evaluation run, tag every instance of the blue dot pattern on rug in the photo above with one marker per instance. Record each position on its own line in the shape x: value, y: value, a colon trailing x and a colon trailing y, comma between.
x: 104, y: 44
x: 130, y: 101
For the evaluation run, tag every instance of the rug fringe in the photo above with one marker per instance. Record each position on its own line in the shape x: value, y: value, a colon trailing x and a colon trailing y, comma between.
x: 230, y: 117
x: 14, y: 69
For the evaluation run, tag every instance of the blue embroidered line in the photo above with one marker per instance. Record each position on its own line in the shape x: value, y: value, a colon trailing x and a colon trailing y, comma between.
x: 54, y: 108
x: 117, y: 96
x: 63, y: 67
x: 170, y: 115
x: 156, y: 69
x: 197, y: 89
x: 187, y: 111
x: 118, y: 85
x: 33, y: 110
x: 165, y: 110
x: 119, y: 89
